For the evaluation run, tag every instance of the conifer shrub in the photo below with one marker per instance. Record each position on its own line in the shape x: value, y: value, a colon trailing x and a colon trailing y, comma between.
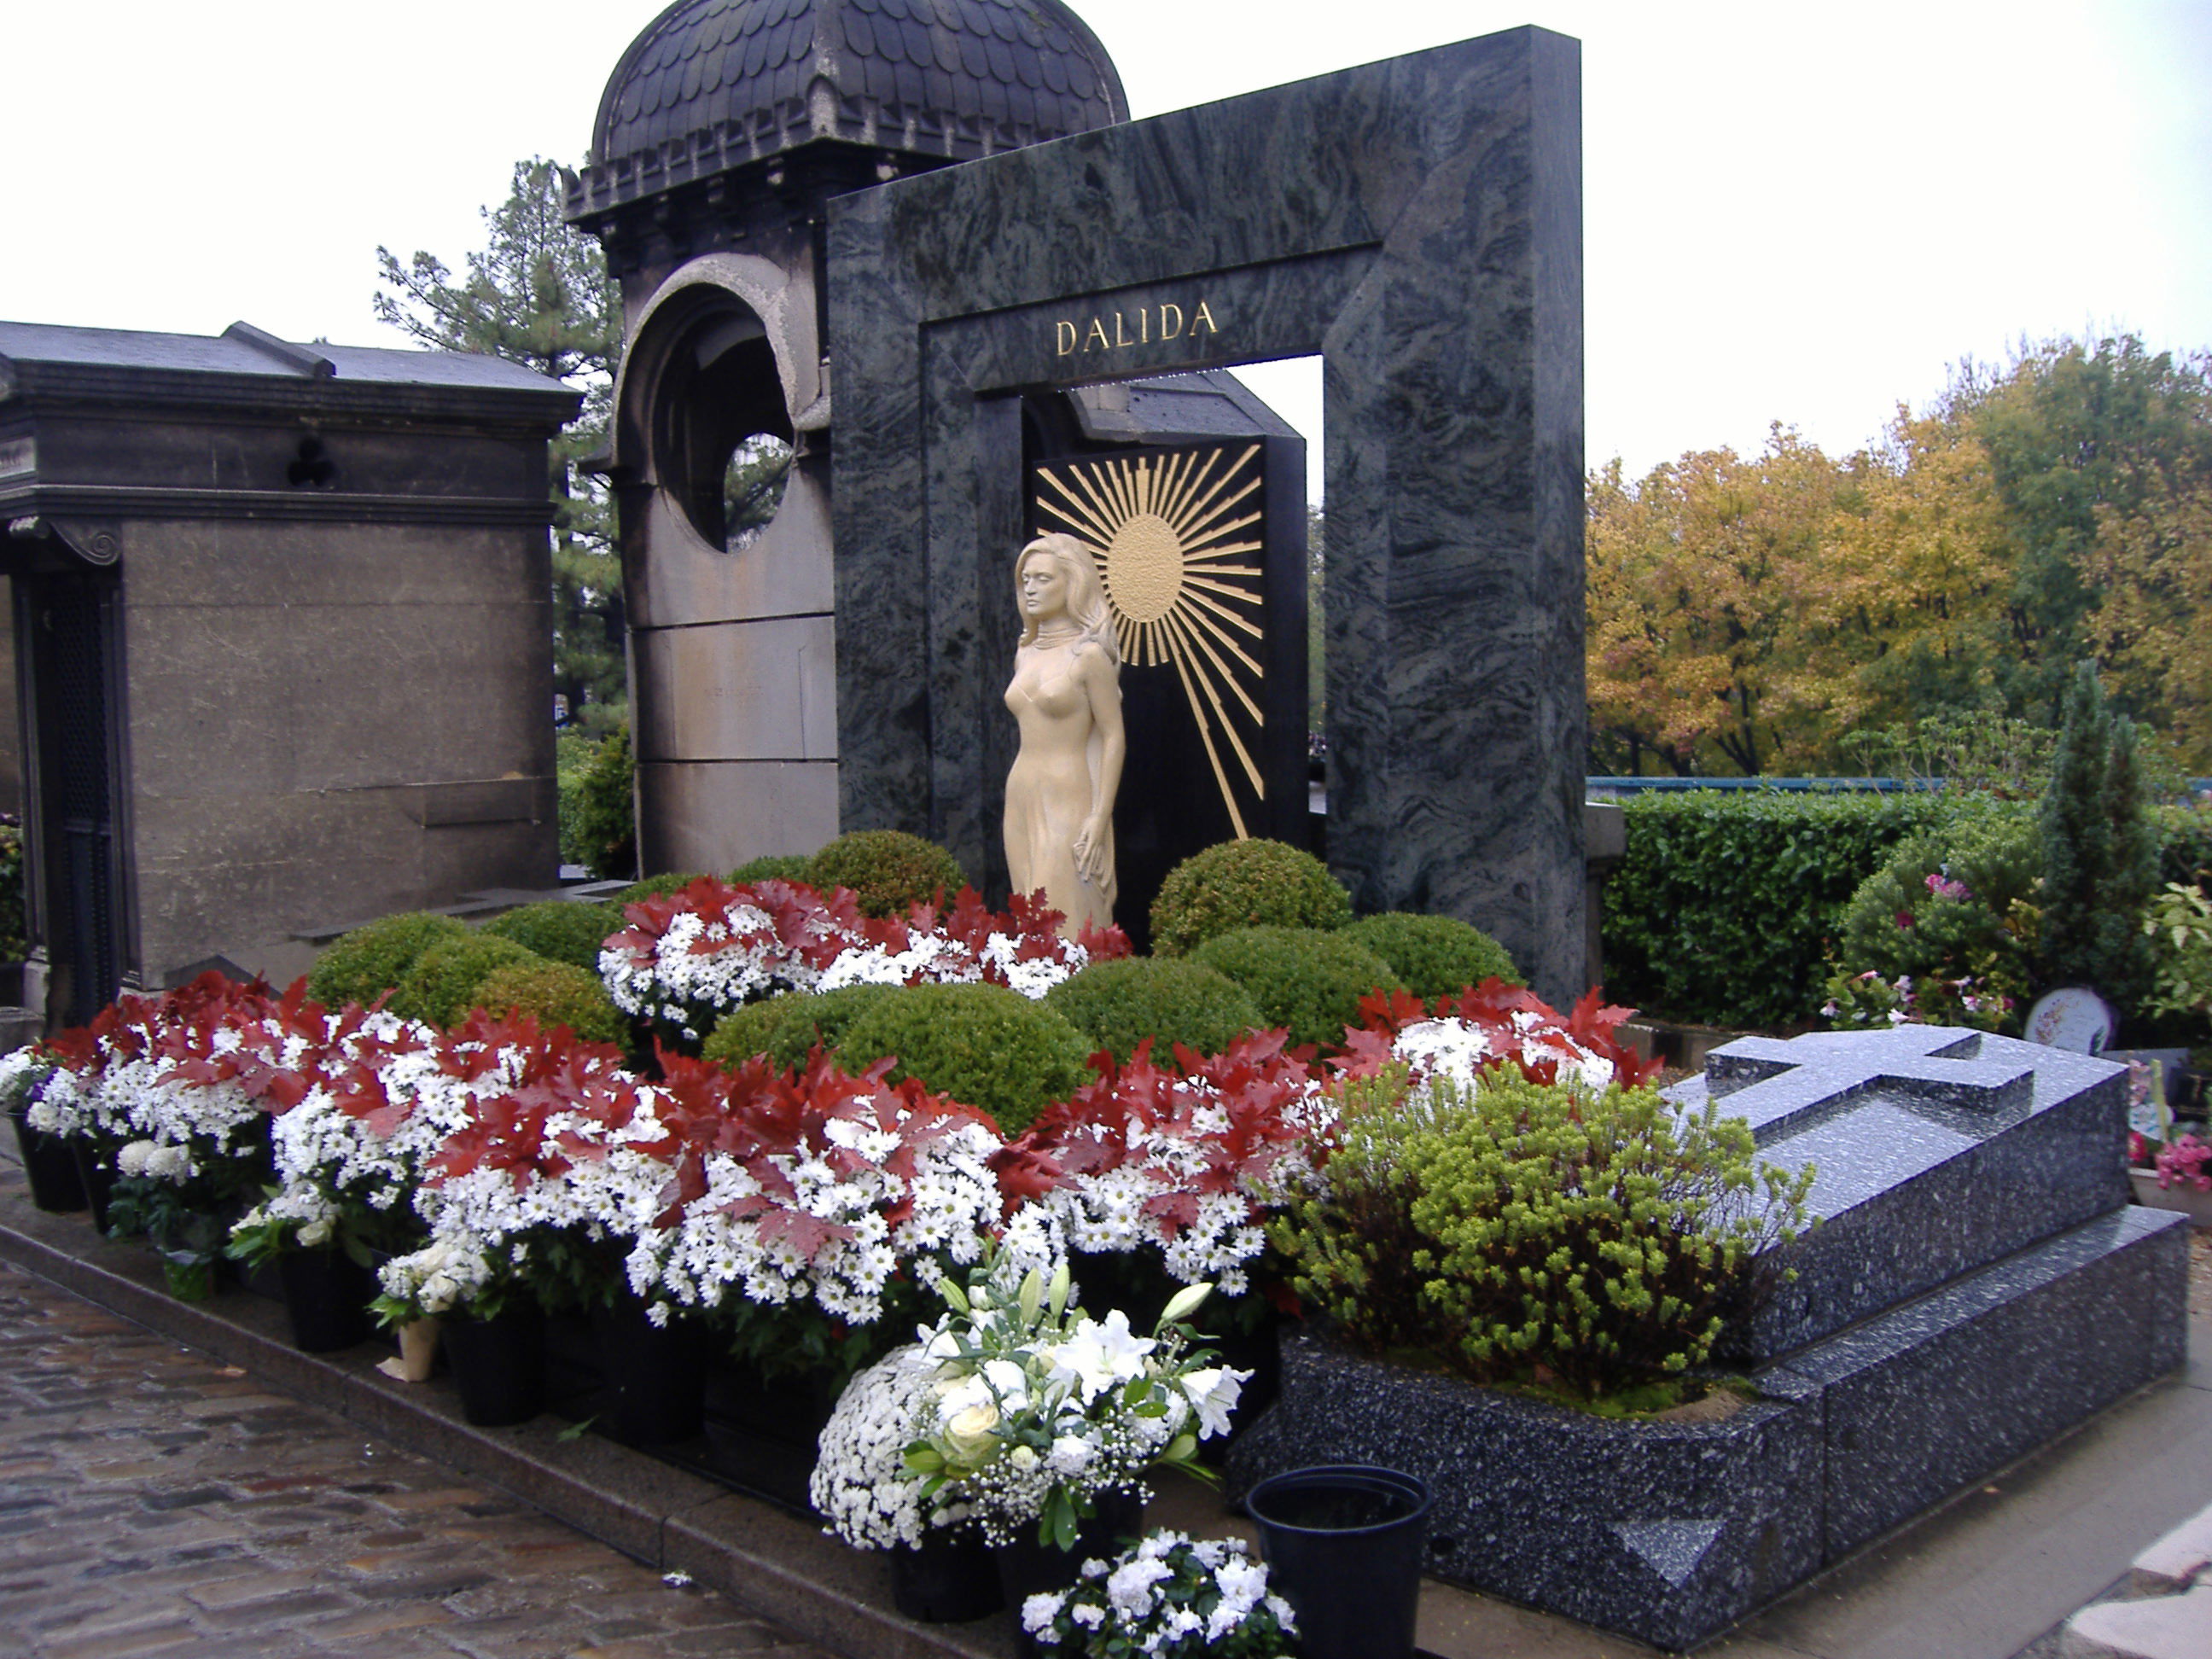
x: 772, y: 866
x: 362, y: 965
x: 985, y: 1046
x: 447, y: 979
x: 1117, y: 1004
x: 559, y: 930
x: 1305, y: 980
x: 786, y: 1028
x: 2100, y: 852
x: 1244, y: 883
x: 1539, y: 1233
x: 1435, y: 956
x: 555, y: 993
x: 660, y: 887
x: 888, y: 871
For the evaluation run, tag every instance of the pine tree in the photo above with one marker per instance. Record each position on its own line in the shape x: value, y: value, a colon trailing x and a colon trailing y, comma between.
x: 537, y: 295
x: 2100, y: 851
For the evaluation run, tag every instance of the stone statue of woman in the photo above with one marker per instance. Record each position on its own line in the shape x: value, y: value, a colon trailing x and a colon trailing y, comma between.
x: 1065, y: 695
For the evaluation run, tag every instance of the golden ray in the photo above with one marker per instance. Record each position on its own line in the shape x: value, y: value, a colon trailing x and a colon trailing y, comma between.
x: 1203, y: 630
x: 1200, y: 507
x: 1213, y: 696
x: 1228, y: 615
x: 1205, y: 737
x: 1221, y: 552
x: 1234, y: 525
x: 1093, y: 528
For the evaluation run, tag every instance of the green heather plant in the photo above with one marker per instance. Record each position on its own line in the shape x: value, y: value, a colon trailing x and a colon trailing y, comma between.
x: 771, y: 867
x: 362, y: 965
x: 985, y: 1046
x: 1244, y: 883
x: 560, y: 930
x: 1304, y: 980
x: 1539, y: 1233
x: 555, y: 993
x: 888, y: 871
x: 1435, y: 956
x: 1117, y: 1004
x: 786, y: 1029
x: 446, y: 980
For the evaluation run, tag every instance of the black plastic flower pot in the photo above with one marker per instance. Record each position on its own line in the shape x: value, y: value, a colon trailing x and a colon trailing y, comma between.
x: 949, y: 1580
x: 499, y: 1365
x: 654, y: 1376
x: 98, y: 1181
x: 1344, y: 1546
x: 50, y: 1166
x: 1027, y: 1568
x: 326, y: 1294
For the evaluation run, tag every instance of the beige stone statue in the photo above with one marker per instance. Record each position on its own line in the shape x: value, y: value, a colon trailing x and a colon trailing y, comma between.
x: 1065, y: 695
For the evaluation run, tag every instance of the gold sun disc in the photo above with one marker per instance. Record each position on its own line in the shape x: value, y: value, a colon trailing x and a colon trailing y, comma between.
x: 1144, y: 568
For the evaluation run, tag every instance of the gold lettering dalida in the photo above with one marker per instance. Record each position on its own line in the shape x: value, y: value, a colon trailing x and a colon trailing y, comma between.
x: 1164, y: 322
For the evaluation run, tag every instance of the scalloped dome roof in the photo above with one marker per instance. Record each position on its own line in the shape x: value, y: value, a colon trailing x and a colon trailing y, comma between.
x: 714, y: 84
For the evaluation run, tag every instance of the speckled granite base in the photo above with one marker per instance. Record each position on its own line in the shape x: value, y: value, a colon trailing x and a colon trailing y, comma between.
x: 1977, y: 1286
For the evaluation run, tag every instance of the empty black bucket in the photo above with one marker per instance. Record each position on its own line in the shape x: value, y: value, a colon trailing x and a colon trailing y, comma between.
x: 1344, y: 1545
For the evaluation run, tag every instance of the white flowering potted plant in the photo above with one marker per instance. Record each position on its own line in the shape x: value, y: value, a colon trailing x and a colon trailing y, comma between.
x: 1044, y: 1422
x: 1171, y: 1596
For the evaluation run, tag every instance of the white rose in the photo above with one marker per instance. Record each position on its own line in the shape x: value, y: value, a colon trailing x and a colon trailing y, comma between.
x: 969, y: 1433
x: 316, y: 1232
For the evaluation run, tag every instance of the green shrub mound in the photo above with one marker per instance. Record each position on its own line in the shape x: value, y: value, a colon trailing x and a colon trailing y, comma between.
x: 660, y: 887
x: 362, y: 965
x: 1117, y: 1004
x: 889, y: 871
x: 444, y: 982
x: 599, y: 807
x: 1303, y: 979
x: 1435, y: 956
x: 1978, y: 921
x: 559, y: 930
x: 772, y: 866
x: 555, y: 993
x: 984, y: 1045
x: 786, y: 1028
x: 1244, y: 883
x: 1609, y: 1241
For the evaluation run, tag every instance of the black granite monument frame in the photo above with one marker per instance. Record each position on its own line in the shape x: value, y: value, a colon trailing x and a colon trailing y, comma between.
x: 1417, y: 222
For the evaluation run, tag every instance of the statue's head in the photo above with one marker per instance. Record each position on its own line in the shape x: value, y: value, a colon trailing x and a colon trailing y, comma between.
x: 1086, y: 594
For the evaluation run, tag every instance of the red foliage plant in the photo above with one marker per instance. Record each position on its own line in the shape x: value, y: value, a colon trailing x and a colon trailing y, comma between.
x: 1517, y: 1027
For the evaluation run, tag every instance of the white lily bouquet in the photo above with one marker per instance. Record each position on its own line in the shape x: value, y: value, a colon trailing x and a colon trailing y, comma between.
x: 1033, y: 1408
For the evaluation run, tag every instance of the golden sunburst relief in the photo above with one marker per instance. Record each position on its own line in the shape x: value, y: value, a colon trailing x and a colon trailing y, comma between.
x: 1170, y: 533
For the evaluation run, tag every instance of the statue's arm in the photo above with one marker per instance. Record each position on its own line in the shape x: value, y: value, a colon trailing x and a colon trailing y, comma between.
x: 1102, y: 685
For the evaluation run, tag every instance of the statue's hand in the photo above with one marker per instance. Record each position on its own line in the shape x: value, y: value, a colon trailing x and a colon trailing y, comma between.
x: 1091, y: 859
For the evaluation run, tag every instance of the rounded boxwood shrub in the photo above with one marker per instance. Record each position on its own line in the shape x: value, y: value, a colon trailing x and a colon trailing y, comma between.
x: 444, y: 983
x: 362, y: 965
x: 559, y: 930
x: 984, y: 1045
x: 1304, y: 980
x: 889, y: 871
x: 771, y: 867
x: 1435, y: 956
x: 660, y: 887
x: 786, y: 1028
x: 555, y: 993
x: 1244, y: 883
x: 1119, y: 1003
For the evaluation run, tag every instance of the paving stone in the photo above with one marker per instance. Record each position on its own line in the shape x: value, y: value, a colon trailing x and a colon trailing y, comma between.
x: 153, y: 1501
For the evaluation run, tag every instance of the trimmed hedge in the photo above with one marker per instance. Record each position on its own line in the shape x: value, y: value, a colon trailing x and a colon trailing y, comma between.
x: 1304, y: 979
x: 786, y: 1028
x: 560, y: 930
x: 1435, y: 956
x: 1117, y: 1004
x: 771, y: 867
x: 556, y: 994
x: 889, y: 871
x: 362, y: 965
x: 1244, y: 883
x: 444, y: 983
x: 984, y: 1045
x: 660, y: 887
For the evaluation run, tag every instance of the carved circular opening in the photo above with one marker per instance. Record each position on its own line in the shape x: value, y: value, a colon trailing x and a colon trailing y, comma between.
x: 722, y: 437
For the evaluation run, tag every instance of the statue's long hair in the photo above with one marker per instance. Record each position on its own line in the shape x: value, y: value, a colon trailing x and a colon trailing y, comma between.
x: 1086, y: 594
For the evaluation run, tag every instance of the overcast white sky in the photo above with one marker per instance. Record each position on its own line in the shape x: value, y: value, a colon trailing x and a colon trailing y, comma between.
x: 1792, y: 212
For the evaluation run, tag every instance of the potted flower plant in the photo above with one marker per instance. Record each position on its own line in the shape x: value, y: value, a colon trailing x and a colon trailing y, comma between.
x: 1168, y: 1594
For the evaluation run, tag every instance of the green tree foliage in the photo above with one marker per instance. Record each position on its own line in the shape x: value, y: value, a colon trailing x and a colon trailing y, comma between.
x: 2100, y: 852
x: 538, y: 294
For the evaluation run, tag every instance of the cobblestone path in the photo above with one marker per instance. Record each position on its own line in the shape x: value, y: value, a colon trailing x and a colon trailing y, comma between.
x: 155, y: 1501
